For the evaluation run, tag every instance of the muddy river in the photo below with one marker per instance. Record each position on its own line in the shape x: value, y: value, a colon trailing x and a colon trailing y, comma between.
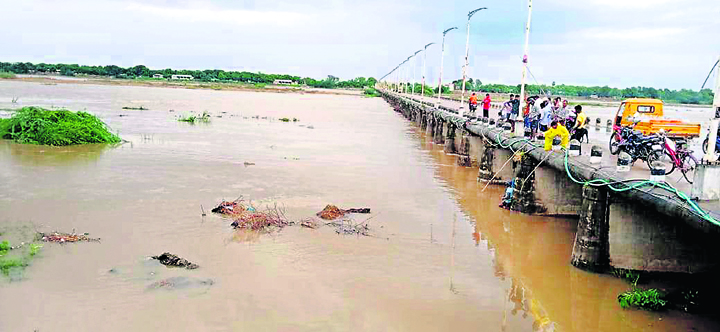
x: 500, y: 271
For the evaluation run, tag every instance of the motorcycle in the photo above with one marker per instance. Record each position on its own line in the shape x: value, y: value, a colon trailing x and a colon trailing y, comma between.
x: 707, y: 140
x: 647, y: 148
x: 620, y: 135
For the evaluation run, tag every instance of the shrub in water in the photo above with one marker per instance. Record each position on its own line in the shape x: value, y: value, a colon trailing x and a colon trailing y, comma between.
x: 35, y: 125
x: 650, y: 299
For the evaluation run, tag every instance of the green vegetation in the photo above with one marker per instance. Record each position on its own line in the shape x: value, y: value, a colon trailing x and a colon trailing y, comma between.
x: 631, y: 276
x: 284, y: 119
x: 7, y: 264
x: 19, y: 260
x: 260, y: 85
x: 214, y: 75
x: 4, y: 248
x: 650, y: 299
x: 204, y: 117
x: 683, y: 96
x: 371, y: 92
x: 4, y: 74
x: 35, y: 125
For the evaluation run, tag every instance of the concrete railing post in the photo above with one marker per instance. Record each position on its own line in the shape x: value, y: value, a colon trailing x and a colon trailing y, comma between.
x: 590, y: 251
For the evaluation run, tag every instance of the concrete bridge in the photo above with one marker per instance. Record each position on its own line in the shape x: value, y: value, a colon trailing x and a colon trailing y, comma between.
x: 631, y: 224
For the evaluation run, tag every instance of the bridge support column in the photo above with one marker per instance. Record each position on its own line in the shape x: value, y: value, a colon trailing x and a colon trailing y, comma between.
x: 450, y: 139
x: 430, y: 127
x: 558, y: 195
x: 495, y: 160
x: 439, y: 132
x: 464, y: 158
x: 590, y: 251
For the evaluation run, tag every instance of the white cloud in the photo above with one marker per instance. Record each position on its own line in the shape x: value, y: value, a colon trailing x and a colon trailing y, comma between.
x: 231, y: 16
x: 628, y: 34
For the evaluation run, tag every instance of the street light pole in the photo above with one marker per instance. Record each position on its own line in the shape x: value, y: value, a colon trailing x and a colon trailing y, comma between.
x: 710, y: 155
x: 442, y: 54
x: 422, y: 87
x: 467, y: 52
x: 519, y: 123
x: 412, y: 89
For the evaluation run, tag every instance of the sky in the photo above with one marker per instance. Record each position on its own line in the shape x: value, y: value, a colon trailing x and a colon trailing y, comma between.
x: 619, y: 43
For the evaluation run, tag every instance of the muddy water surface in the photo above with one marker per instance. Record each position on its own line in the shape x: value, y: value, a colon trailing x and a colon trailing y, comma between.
x: 502, y: 272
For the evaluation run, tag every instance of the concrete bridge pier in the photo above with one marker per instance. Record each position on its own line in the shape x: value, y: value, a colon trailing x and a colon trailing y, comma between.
x: 450, y: 147
x: 430, y: 126
x: 494, y: 165
x: 464, y: 150
x: 439, y: 137
x: 590, y: 251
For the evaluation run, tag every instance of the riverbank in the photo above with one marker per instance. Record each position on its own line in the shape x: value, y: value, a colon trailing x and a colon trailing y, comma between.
x: 163, y: 83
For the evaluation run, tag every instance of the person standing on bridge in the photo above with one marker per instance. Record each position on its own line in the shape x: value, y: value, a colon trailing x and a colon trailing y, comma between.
x: 515, y: 111
x: 579, y: 129
x: 555, y: 131
x: 473, y: 101
x: 486, y: 105
x: 506, y: 109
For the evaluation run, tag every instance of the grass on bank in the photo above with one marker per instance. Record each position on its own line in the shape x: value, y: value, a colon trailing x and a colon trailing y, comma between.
x: 35, y: 125
x: 4, y: 74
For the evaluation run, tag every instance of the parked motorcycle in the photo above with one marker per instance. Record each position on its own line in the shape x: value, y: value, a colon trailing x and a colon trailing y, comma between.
x: 706, y: 141
x: 647, y: 148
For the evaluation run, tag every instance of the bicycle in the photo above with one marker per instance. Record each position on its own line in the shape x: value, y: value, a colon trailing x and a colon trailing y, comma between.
x: 680, y: 157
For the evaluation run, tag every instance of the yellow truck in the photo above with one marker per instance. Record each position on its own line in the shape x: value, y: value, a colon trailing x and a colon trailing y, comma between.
x: 650, y: 113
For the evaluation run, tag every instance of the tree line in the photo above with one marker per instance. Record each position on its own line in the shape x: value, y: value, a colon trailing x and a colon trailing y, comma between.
x: 683, y: 96
x: 209, y: 75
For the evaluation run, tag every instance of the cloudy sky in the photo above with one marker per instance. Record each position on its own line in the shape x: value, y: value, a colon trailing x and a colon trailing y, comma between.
x: 660, y: 43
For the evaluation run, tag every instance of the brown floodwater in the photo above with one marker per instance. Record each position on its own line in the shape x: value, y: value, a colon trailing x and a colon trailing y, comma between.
x: 501, y: 271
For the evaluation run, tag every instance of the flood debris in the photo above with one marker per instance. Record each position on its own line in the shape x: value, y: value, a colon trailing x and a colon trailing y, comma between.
x: 270, y: 220
x: 248, y: 164
x: 346, y: 226
x: 180, y: 283
x: 310, y: 223
x: 229, y: 208
x: 171, y: 260
x: 331, y: 212
x: 141, y: 108
x: 65, y: 237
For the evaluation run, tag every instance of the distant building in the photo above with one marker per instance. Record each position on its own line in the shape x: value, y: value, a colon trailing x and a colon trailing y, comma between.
x: 450, y: 86
x: 283, y: 82
x: 158, y: 76
x: 181, y: 77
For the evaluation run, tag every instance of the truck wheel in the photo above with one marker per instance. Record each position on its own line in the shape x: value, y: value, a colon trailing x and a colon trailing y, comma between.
x: 705, y: 145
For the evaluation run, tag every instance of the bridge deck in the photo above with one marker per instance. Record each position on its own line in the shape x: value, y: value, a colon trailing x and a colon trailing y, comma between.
x: 660, y: 199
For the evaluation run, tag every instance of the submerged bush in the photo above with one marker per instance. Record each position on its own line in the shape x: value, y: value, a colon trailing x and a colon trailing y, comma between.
x: 35, y: 125
x: 371, y: 92
x: 650, y: 299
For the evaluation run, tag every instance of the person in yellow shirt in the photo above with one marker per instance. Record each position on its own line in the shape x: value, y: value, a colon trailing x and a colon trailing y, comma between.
x: 554, y: 131
x: 579, y: 129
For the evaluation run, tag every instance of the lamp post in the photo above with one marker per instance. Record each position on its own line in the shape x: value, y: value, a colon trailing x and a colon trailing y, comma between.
x: 467, y: 51
x: 442, y: 54
x: 519, y: 123
x: 412, y: 88
x: 710, y: 155
x: 422, y: 87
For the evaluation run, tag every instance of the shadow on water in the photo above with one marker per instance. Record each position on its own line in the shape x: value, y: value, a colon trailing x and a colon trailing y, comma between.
x: 43, y: 155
